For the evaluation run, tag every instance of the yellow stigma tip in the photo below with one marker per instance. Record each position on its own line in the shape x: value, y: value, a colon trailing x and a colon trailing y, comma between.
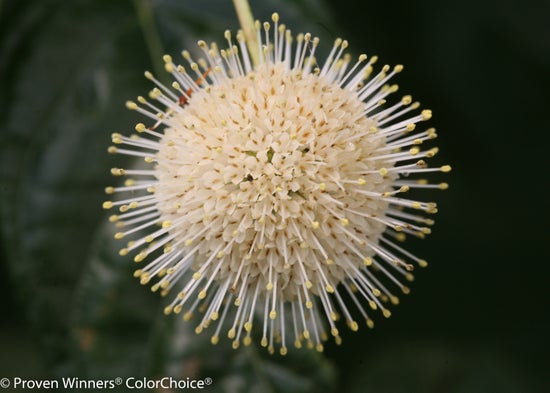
x: 140, y: 257
x: 410, y: 127
x: 131, y: 105
x: 426, y: 114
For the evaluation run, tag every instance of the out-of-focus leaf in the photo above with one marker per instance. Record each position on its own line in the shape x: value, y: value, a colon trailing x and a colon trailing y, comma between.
x: 66, y: 93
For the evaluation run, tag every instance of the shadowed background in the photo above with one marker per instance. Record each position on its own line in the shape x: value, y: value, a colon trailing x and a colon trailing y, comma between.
x: 477, y: 317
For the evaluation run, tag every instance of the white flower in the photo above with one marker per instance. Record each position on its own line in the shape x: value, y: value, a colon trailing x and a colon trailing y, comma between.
x: 275, y: 189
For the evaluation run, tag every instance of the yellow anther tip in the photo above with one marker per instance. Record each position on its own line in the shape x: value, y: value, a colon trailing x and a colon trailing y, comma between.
x: 272, y: 314
x: 446, y: 168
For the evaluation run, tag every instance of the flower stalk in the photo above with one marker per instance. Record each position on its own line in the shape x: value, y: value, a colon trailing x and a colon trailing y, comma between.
x: 249, y: 30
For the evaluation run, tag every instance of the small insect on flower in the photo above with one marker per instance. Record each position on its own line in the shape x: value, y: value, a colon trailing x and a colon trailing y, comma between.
x: 276, y: 192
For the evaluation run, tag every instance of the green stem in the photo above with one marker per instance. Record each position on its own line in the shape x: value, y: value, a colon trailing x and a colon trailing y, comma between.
x: 249, y: 30
x: 146, y: 20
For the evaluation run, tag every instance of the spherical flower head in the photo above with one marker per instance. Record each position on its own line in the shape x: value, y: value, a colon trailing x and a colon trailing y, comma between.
x: 275, y: 191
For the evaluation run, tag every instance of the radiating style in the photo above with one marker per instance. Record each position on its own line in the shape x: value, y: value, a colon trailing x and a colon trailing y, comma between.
x: 275, y: 194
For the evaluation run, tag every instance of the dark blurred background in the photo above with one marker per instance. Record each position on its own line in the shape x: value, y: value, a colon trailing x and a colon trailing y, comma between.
x: 477, y: 318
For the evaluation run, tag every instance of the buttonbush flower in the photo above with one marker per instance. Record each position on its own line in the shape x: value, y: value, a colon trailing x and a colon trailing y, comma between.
x: 274, y: 191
